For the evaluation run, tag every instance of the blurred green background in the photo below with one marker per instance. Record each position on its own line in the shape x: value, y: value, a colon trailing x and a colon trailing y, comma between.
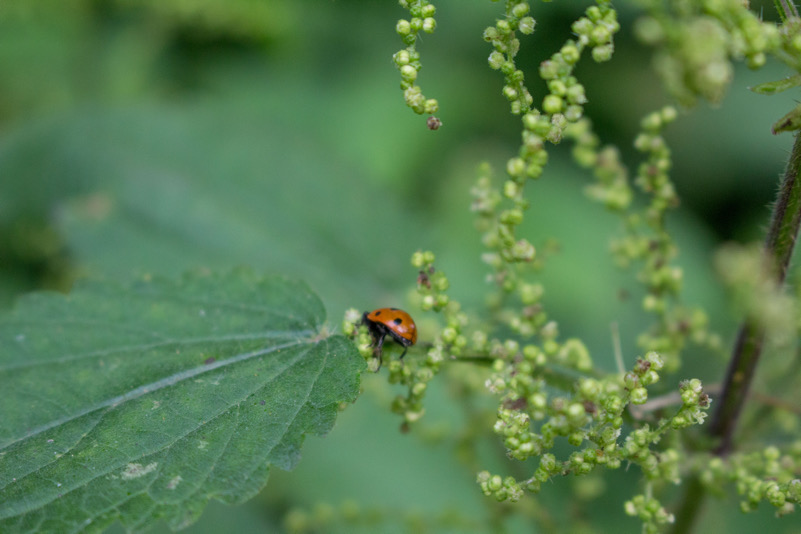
x: 163, y: 135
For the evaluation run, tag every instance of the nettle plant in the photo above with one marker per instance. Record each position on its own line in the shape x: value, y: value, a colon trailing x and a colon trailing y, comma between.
x: 548, y: 389
x: 141, y: 402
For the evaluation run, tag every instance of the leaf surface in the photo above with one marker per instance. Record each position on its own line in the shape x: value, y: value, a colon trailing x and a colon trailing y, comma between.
x: 144, y: 401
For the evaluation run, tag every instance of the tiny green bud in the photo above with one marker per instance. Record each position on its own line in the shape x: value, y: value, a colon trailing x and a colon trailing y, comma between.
x: 652, y: 121
x: 491, y: 34
x: 526, y: 25
x: 503, y: 27
x: 515, y: 166
x: 538, y: 401
x: 513, y: 216
x: 429, y: 25
x: 639, y: 395
x: 510, y: 92
x: 589, y: 388
x: 408, y: 73
x: 574, y: 113
x: 449, y: 334
x: 557, y: 87
x: 522, y: 250
x: 582, y: 26
x: 631, y: 380
x: 431, y: 106
x: 600, y: 35
x: 520, y: 10
x: 441, y: 283
x: 576, y: 413
x: 549, y: 70
x: 570, y: 53
x: 655, y: 360
x: 510, y: 189
x: 602, y: 53
x: 403, y: 27
x: 650, y: 377
x: 669, y: 114
x: 552, y: 104
x: 402, y: 58
x: 575, y: 94
x: 496, y: 60
x: 508, y: 68
x: 679, y: 421
x: 594, y: 13
x: 548, y: 462
x: 530, y: 120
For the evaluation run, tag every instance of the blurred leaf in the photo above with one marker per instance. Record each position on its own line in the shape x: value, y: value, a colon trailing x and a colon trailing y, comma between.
x: 145, y: 401
x: 217, y: 183
x: 256, y: 19
x: 789, y: 123
x: 770, y: 88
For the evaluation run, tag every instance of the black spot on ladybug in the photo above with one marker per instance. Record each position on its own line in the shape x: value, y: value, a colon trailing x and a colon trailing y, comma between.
x: 397, y: 320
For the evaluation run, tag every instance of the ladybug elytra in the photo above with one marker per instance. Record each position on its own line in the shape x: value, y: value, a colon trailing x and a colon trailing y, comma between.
x: 396, y: 323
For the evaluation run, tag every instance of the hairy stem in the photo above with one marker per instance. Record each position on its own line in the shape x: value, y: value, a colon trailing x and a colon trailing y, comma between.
x: 778, y: 251
x: 779, y: 245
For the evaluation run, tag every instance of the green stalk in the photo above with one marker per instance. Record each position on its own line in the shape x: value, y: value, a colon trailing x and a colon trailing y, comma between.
x: 779, y: 244
x: 778, y: 251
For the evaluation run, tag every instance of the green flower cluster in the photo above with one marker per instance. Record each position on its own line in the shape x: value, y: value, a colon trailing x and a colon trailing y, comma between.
x: 407, y: 60
x: 650, y: 511
x: 646, y: 241
x: 549, y: 393
x: 415, y: 373
x: 353, y: 328
x: 768, y: 475
x: 698, y: 40
x: 561, y: 106
x: 590, y: 417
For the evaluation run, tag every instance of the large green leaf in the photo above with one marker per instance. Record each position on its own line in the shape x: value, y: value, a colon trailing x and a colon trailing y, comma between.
x: 158, y: 189
x: 144, y: 401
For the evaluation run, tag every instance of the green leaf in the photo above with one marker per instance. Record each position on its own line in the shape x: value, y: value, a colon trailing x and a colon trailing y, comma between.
x: 157, y: 189
x: 789, y: 123
x: 144, y: 401
x: 777, y: 86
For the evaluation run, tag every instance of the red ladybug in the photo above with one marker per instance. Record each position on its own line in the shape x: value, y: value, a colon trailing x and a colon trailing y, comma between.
x: 394, y: 322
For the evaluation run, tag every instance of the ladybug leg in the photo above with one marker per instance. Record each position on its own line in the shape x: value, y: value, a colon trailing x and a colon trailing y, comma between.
x: 377, y: 351
x: 405, y: 348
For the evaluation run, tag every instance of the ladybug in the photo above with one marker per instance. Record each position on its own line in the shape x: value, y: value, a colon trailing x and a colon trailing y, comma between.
x: 393, y: 322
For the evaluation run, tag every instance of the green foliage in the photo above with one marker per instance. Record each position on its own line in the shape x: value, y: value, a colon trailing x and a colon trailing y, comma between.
x: 696, y: 45
x: 143, y: 402
x: 157, y: 137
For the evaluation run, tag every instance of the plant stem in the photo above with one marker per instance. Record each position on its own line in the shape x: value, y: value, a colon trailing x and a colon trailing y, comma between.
x: 778, y: 252
x: 779, y: 244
